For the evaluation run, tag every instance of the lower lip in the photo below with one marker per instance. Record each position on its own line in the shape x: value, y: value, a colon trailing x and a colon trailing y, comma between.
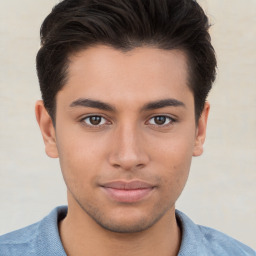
x: 128, y: 196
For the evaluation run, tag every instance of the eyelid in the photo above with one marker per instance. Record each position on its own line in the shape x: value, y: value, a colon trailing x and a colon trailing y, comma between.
x: 83, y: 118
x: 172, y: 120
x: 108, y: 122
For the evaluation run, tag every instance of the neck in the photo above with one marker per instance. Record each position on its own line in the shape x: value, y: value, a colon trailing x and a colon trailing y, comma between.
x: 80, y: 233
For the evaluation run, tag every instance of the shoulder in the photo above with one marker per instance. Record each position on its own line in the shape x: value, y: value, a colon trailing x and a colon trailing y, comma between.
x: 37, y: 239
x: 220, y: 242
x: 207, y: 241
x: 19, y: 241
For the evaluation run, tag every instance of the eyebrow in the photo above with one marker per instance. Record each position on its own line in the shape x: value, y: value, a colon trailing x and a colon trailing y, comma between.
x: 92, y: 104
x: 105, y: 106
x: 163, y: 103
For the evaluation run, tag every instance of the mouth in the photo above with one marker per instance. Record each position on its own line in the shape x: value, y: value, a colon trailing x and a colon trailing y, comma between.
x: 128, y: 192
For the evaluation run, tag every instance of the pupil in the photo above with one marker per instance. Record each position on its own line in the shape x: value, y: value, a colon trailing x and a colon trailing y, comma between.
x: 160, y: 120
x: 95, y: 120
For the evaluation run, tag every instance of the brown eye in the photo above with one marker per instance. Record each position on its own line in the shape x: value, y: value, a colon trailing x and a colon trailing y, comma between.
x: 161, y: 120
x: 94, y: 120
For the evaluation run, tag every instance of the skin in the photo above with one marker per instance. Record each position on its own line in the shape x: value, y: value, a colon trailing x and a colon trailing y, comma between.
x: 133, y: 141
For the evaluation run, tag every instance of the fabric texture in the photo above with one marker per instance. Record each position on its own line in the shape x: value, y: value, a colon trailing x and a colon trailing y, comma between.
x: 42, y: 238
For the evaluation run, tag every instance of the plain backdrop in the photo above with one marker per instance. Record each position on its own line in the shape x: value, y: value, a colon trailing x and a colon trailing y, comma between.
x: 221, y: 190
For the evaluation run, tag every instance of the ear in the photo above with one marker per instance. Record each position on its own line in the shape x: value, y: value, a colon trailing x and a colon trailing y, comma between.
x: 201, y: 131
x: 47, y: 129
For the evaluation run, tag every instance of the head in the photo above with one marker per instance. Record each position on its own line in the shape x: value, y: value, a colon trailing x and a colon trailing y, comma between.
x: 75, y: 25
x: 124, y: 85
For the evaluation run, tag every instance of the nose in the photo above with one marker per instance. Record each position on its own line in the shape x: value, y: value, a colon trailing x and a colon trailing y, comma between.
x: 128, y: 150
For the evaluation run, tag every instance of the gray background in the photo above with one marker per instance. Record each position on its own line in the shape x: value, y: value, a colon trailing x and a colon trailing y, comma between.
x: 221, y: 189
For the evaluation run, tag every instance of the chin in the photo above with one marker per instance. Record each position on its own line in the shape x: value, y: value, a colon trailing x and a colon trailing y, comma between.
x: 126, y: 220
x: 126, y: 226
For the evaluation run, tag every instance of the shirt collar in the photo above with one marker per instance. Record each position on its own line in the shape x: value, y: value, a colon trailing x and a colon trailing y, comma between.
x: 192, y: 240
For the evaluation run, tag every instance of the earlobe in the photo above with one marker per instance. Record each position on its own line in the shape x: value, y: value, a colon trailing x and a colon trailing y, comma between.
x: 201, y: 131
x: 47, y: 129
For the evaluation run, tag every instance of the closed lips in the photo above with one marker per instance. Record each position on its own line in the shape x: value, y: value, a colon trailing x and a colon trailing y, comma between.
x: 128, y: 192
x: 122, y: 185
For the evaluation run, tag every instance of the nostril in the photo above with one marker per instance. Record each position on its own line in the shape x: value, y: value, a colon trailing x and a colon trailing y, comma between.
x: 139, y: 166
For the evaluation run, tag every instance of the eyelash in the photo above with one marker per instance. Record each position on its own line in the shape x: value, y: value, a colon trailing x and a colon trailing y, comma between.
x: 166, y: 117
x: 89, y: 118
x: 83, y: 121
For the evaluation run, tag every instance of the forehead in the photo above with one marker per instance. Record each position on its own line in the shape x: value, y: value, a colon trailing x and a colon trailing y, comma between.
x: 102, y: 59
x: 107, y: 74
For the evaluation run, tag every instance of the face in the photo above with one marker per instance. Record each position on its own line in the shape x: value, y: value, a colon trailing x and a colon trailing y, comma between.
x: 125, y: 134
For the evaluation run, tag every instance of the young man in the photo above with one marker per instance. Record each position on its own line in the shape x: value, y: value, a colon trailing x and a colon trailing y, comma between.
x: 124, y: 86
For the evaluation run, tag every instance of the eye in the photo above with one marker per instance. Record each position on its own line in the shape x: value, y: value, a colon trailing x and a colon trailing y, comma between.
x: 161, y: 120
x: 94, y: 120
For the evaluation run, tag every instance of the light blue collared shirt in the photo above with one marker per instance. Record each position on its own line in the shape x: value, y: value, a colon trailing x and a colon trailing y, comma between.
x: 42, y: 239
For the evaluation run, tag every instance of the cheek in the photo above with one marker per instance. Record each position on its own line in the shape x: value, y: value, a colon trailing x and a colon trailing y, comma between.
x: 175, y: 177
x: 174, y: 159
x: 174, y: 151
x: 79, y: 157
